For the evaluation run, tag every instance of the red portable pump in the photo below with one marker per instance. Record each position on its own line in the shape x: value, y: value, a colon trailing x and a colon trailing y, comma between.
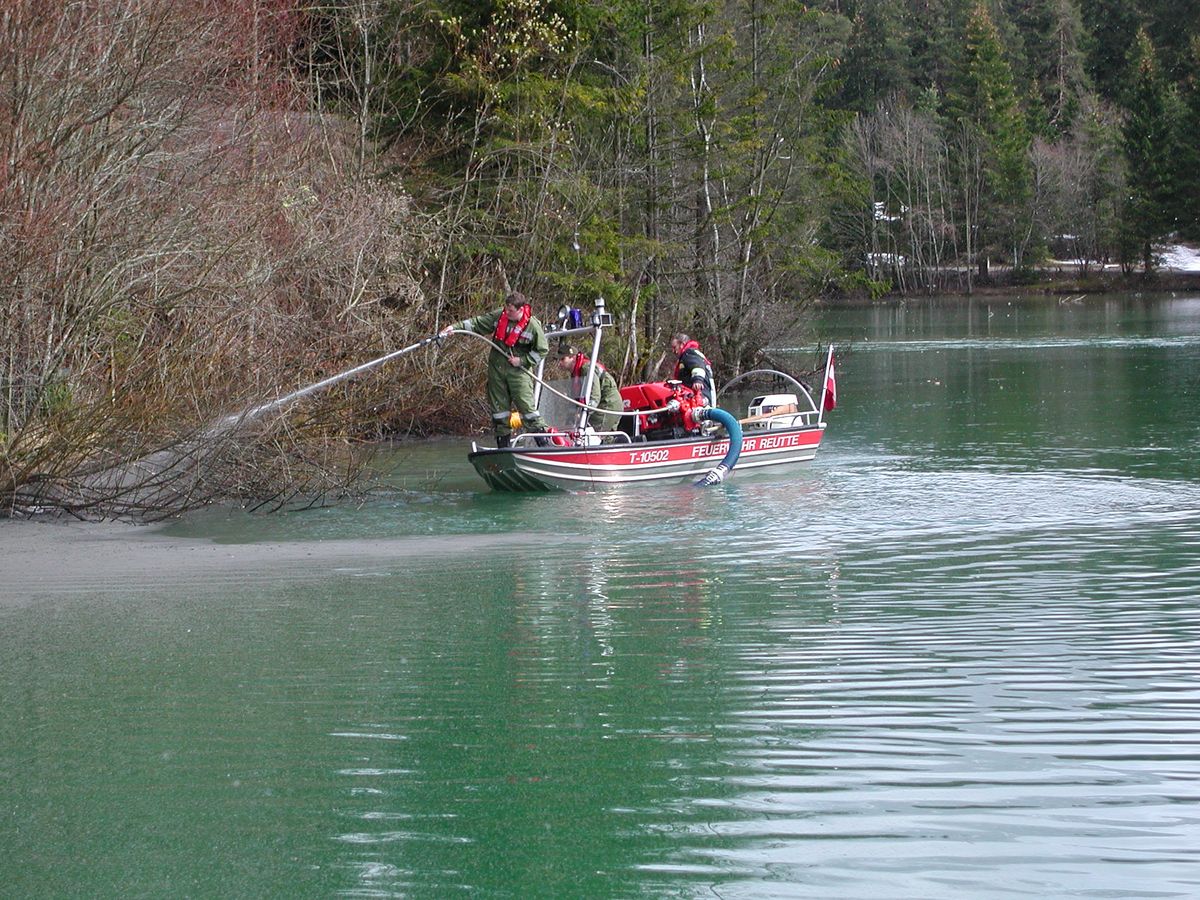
x: 674, y: 402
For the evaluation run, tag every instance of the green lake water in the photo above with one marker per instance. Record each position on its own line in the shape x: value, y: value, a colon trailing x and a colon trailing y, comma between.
x: 956, y: 656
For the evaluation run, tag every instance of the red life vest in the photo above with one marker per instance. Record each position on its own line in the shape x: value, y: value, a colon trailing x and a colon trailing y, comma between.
x: 509, y: 335
x: 580, y: 362
x: 577, y: 373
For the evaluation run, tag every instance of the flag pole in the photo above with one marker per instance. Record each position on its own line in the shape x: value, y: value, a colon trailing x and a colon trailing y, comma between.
x: 824, y: 385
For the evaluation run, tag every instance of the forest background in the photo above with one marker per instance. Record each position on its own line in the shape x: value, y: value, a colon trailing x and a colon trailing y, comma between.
x: 205, y: 205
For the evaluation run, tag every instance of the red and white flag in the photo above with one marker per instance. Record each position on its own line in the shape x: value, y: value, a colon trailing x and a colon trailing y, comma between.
x: 829, y: 395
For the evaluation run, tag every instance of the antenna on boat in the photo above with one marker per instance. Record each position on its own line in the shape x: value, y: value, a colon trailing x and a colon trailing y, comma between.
x: 599, y: 319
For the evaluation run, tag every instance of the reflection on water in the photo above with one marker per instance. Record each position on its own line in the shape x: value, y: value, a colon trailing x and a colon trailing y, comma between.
x: 954, y: 657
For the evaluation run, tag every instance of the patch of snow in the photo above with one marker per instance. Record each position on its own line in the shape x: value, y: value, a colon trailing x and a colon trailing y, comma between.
x: 1180, y: 258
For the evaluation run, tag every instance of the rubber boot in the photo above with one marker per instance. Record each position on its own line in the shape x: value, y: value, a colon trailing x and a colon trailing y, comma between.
x: 540, y: 441
x: 502, y: 441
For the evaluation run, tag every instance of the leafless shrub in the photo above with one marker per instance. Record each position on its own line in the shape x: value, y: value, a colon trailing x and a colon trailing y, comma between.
x: 181, y: 241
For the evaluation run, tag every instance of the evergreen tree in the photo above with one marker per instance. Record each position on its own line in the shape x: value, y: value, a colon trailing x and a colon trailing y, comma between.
x: 1107, y: 176
x: 1052, y: 32
x: 1149, y: 142
x: 1189, y: 144
x: 983, y: 106
x: 1172, y: 24
x: 1111, y: 25
x: 936, y: 28
x: 876, y: 64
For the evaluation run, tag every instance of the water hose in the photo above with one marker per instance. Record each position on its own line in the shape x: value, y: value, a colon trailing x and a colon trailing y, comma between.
x: 734, y: 429
x: 253, y: 413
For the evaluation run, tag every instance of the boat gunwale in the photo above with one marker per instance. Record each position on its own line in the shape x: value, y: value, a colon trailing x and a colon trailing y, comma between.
x: 643, y: 445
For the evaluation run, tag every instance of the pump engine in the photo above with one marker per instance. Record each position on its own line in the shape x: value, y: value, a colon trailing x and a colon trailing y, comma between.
x: 674, y: 402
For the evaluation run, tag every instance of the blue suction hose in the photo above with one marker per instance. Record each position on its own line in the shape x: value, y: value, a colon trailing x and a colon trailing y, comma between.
x: 734, y: 428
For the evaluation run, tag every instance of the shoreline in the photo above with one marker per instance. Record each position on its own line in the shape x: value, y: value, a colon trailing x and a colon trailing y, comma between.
x: 1048, y: 283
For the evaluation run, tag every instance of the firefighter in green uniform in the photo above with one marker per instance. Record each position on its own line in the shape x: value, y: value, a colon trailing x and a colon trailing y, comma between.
x: 604, y: 394
x: 518, y: 345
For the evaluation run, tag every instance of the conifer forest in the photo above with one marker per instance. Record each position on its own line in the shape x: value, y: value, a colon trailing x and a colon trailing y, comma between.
x: 204, y: 205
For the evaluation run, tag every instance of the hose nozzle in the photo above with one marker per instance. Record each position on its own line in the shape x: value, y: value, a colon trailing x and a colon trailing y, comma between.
x: 734, y: 429
x: 716, y: 476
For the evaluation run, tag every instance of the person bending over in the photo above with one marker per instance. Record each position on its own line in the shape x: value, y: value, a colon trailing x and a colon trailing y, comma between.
x: 604, y: 393
x: 693, y: 368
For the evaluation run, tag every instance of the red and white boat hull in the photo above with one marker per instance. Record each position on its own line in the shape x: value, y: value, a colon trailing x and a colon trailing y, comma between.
x: 683, y: 459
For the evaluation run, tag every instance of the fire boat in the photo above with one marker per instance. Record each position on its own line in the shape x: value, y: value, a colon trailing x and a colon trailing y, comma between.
x: 667, y: 433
